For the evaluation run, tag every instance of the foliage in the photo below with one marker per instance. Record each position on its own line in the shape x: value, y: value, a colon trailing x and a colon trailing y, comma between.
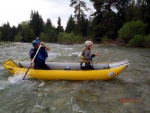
x: 80, y: 7
x: 147, y: 41
x: 137, y: 41
x: 83, y: 27
x: 130, y: 29
x: 48, y: 25
x: 105, y: 39
x: 71, y: 25
x: 106, y: 21
x: 27, y: 34
x: 36, y: 23
x: 0, y: 35
x: 6, y: 33
x: 50, y: 32
x: 111, y: 19
x: 52, y: 36
x: 68, y: 38
x: 18, y: 37
x: 140, y: 41
x: 59, y: 27
x: 43, y: 37
x: 133, y: 12
x: 60, y: 37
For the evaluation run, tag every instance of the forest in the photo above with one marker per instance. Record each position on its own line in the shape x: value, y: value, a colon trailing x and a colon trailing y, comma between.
x: 125, y: 22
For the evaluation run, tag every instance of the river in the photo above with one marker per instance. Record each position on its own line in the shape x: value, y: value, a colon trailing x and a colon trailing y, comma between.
x: 127, y: 93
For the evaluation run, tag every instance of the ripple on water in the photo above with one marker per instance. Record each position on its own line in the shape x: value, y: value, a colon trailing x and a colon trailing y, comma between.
x: 2, y: 87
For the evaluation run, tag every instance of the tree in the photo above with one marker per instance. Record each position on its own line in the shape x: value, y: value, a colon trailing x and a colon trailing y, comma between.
x: 83, y: 26
x: 6, y: 33
x: 121, y: 6
x: 27, y: 34
x: 104, y: 21
x: 71, y: 26
x: 36, y: 23
x: 130, y: 29
x: 145, y: 13
x: 49, y: 33
x: 0, y: 33
x: 132, y: 12
x: 80, y: 7
x: 52, y: 36
x: 14, y: 32
x: 108, y: 17
x: 59, y: 27
x: 48, y: 26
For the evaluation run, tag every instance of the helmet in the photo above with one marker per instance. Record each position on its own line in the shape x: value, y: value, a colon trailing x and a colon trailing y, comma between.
x: 88, y: 43
x: 35, y: 42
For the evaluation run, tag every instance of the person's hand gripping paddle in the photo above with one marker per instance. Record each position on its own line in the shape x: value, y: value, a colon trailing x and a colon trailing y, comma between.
x: 32, y: 62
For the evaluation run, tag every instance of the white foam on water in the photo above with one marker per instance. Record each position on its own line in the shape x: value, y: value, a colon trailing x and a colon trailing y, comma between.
x: 15, y: 79
x: 2, y: 87
x: 39, y: 106
x: 67, y: 48
x: 76, y: 53
x: 42, y: 84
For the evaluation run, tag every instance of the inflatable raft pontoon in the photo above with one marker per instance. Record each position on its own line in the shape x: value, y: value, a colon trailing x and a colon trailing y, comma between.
x: 103, y: 71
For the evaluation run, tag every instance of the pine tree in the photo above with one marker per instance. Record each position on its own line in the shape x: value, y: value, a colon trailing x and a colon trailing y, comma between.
x: 80, y: 7
x: 71, y: 26
x: 83, y: 26
x: 6, y: 33
x: 36, y: 23
x: 59, y: 27
x: 106, y: 21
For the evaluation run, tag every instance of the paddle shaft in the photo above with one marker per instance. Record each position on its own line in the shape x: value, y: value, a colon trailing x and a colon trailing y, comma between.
x: 31, y: 62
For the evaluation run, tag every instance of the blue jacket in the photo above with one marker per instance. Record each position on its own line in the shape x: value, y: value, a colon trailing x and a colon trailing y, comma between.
x: 40, y: 59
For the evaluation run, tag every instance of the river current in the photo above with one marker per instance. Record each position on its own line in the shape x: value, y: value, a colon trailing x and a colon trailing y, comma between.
x: 129, y: 92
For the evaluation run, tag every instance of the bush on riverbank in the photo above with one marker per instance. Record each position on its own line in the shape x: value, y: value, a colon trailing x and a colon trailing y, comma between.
x: 140, y: 41
x: 65, y: 38
x: 133, y: 34
x: 105, y: 39
x: 137, y: 41
x: 147, y: 41
x: 130, y: 29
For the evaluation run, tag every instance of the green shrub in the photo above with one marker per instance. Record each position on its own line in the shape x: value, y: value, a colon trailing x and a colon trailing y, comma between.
x: 43, y: 37
x: 0, y: 35
x: 60, y: 37
x: 137, y: 41
x: 68, y: 38
x: 105, y: 39
x: 131, y: 29
x: 147, y: 41
x: 17, y: 37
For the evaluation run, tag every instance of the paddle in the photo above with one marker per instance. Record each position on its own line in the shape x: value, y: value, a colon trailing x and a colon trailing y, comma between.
x: 32, y: 62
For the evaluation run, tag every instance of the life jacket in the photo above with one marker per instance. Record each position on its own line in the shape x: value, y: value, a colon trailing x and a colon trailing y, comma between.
x: 82, y: 58
x: 32, y: 53
x: 42, y: 51
x: 41, y: 56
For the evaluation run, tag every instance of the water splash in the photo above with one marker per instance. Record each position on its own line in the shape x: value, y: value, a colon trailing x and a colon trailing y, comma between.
x: 42, y: 84
x: 15, y: 79
x: 2, y: 87
x: 39, y: 106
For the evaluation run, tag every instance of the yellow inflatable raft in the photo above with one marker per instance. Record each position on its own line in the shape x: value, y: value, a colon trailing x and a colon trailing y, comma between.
x: 103, y: 71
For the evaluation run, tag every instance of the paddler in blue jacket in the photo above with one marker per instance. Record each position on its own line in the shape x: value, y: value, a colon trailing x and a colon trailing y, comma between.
x: 39, y: 61
x: 87, y: 56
